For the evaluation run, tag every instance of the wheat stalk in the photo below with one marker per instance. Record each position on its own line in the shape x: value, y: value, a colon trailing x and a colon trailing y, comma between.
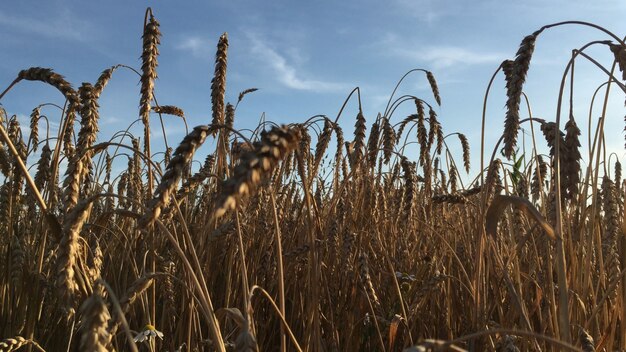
x: 218, y: 83
x: 273, y: 147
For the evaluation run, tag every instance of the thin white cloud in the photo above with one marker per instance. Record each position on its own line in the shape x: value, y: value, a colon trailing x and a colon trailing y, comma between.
x: 198, y: 47
x: 446, y: 56
x: 63, y: 25
x: 286, y: 73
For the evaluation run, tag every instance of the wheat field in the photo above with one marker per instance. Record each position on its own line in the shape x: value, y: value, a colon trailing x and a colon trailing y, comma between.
x: 301, y: 237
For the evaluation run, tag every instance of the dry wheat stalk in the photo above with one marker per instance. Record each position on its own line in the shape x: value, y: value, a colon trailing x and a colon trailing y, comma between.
x: 151, y: 41
x: 94, y: 315
x: 17, y: 261
x: 539, y: 177
x: 103, y: 80
x: 506, y: 343
x: 389, y: 139
x: 359, y: 139
x: 78, y: 166
x: 246, y: 342
x: 5, y: 164
x: 197, y: 178
x: 586, y: 341
x: 43, y: 173
x: 273, y: 147
x: 611, y: 211
x: 466, y: 151
x: 366, y: 279
x: 244, y: 93
x: 174, y: 172
x: 619, y: 51
x: 218, y: 83
x: 409, y: 186
x: 136, y: 289
x: 433, y: 86
x: 514, y: 85
x: 403, y: 124
x: 33, y: 140
x: 453, y: 176
x: 15, y: 343
x: 169, y: 109
x: 66, y: 285
x: 48, y: 76
x: 571, y: 160
x: 322, y: 143
x: 372, y: 143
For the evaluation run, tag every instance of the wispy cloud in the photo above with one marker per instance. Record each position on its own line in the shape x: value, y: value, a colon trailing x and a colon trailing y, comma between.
x: 198, y: 47
x: 425, y: 11
x: 62, y: 25
x: 286, y: 73
x: 446, y: 56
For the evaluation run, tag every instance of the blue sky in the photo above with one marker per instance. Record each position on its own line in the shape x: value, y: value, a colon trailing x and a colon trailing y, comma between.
x: 305, y: 57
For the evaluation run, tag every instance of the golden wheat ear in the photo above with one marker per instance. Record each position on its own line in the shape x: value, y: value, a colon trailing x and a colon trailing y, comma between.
x: 499, y: 204
x: 256, y: 164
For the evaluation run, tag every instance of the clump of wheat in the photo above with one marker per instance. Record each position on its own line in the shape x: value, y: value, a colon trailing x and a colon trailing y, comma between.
x: 272, y: 148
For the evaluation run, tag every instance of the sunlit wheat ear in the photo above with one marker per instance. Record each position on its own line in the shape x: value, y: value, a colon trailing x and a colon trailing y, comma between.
x: 435, y: 134
x: 103, y: 80
x: 403, y: 124
x: 453, y: 176
x: 256, y: 164
x: 173, y: 174
x: 359, y: 138
x: 136, y: 289
x: 67, y: 253
x: 514, y: 85
x: 15, y: 343
x: 611, y: 211
x: 48, y: 76
x: 619, y: 51
x: 54, y: 79
x: 43, y: 167
x: 17, y: 261
x: 218, y: 83
x: 197, y: 178
x: 78, y: 165
x: 571, y: 162
x: 422, y: 133
x: 151, y: 40
x: 539, y: 175
x: 372, y: 143
x: 433, y: 86
x: 34, y: 128
x: 466, y: 152
x: 389, y: 139
x: 493, y: 179
x: 586, y: 341
x: 169, y: 109
x: 244, y: 93
x: 549, y: 130
x: 366, y: 279
x: 408, y: 173
x: 5, y: 161
x: 506, y: 343
x: 246, y: 342
x: 229, y: 116
x: 322, y: 142
x: 94, y: 315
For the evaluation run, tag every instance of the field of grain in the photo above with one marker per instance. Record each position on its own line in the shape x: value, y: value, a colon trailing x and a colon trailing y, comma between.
x: 301, y: 237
